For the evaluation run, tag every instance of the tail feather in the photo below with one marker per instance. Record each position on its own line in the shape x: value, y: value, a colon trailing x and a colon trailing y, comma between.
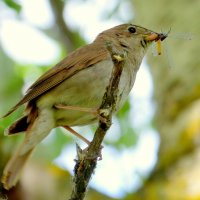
x: 38, y: 129
x: 14, y: 168
x: 25, y: 122
x: 18, y: 126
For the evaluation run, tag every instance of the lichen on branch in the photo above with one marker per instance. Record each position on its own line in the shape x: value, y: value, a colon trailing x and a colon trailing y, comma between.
x: 87, y: 159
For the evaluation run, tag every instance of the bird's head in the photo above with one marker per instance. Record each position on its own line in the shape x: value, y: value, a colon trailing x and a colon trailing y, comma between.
x: 131, y: 37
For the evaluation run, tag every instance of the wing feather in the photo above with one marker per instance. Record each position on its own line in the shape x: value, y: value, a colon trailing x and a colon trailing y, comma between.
x: 74, y: 62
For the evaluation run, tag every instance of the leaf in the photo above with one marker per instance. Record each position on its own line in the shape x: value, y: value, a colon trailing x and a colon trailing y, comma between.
x: 124, y: 111
x: 128, y: 136
x: 13, y: 5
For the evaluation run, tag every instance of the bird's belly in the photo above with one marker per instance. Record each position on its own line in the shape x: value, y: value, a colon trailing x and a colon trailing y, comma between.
x: 84, y: 89
x: 87, y: 93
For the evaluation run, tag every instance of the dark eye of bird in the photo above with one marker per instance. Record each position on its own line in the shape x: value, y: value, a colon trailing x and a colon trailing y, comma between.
x: 132, y: 29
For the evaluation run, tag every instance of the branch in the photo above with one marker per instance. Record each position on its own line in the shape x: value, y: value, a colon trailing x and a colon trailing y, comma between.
x: 87, y: 160
x: 66, y: 35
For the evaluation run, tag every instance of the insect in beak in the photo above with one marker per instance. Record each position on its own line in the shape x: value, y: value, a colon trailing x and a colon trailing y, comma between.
x: 157, y: 37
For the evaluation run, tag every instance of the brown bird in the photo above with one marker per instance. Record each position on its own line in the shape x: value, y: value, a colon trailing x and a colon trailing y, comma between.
x: 70, y: 93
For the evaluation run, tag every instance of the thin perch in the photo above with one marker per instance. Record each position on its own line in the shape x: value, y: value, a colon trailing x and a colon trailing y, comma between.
x: 87, y: 160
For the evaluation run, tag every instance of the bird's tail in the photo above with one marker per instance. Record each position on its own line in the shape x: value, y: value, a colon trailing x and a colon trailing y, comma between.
x: 14, y: 167
x: 35, y: 133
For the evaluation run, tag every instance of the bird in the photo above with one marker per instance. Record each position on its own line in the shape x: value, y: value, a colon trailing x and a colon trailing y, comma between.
x: 70, y: 93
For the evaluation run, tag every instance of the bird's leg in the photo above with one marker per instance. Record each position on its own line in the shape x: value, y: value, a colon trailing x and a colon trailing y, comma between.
x: 77, y: 134
x: 84, y: 140
x: 97, y: 112
x: 77, y: 108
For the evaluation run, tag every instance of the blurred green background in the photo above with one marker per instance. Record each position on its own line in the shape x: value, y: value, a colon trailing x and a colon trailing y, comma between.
x: 152, y: 150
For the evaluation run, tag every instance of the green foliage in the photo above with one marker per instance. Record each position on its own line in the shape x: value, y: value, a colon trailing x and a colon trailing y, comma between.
x: 79, y: 39
x: 11, y: 83
x: 128, y: 136
x: 124, y: 111
x: 13, y: 5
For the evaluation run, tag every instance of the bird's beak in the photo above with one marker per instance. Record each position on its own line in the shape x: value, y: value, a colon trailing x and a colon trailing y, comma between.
x: 156, y: 36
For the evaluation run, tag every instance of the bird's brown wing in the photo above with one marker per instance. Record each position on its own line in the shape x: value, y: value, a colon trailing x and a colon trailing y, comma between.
x: 76, y: 61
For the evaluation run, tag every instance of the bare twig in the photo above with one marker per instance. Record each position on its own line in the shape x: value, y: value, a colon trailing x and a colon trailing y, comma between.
x: 87, y: 160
